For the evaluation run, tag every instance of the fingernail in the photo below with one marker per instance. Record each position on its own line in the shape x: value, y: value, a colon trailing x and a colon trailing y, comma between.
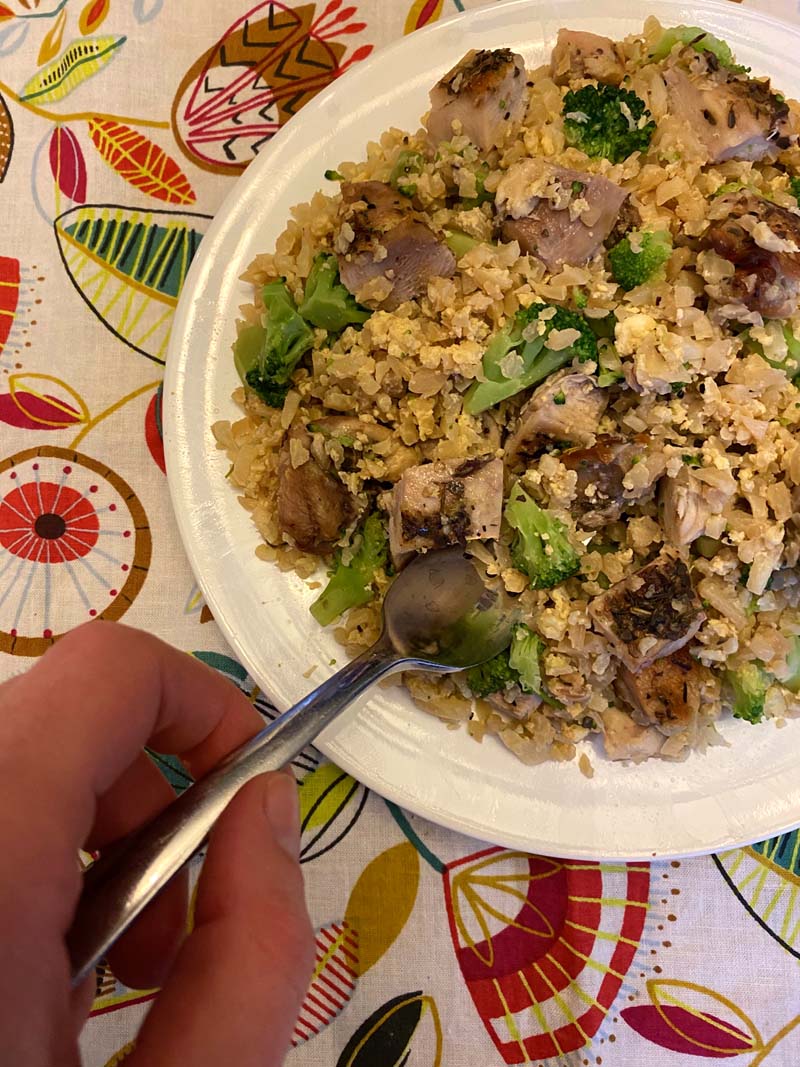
x: 283, y: 812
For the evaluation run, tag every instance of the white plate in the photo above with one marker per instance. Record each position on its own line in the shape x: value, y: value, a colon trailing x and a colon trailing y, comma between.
x: 745, y: 792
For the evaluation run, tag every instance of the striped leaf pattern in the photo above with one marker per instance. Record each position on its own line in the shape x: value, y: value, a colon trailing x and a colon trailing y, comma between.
x: 129, y: 267
x: 9, y: 296
x: 140, y: 162
x: 421, y: 13
x: 332, y: 983
x: 67, y: 164
x: 6, y: 138
x: 81, y: 60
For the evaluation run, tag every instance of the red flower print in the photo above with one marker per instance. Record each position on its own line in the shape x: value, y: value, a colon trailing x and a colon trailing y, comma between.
x: 48, y: 522
x: 74, y: 545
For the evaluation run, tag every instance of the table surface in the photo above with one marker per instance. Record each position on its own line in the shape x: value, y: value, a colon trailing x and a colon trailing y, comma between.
x: 433, y: 948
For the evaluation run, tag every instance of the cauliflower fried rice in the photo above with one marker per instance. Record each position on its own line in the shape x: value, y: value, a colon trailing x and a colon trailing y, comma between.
x: 588, y: 314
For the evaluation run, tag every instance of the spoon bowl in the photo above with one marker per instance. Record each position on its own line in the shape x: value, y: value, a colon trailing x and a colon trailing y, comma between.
x: 439, y: 615
x: 440, y: 610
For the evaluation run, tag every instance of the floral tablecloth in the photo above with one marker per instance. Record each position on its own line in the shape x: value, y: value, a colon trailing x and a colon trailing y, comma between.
x: 123, y: 124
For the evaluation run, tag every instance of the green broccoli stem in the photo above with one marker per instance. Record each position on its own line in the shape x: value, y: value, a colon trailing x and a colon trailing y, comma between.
x: 700, y: 40
x: 790, y: 364
x: 538, y: 363
x: 460, y: 243
x: 247, y: 350
x: 350, y: 585
x: 525, y: 657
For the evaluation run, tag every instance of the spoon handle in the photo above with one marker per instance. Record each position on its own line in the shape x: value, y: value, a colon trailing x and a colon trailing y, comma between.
x: 130, y: 874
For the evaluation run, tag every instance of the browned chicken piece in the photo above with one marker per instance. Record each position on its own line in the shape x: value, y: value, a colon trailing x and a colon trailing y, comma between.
x: 381, y: 237
x: 314, y: 507
x: 484, y: 92
x: 562, y: 218
x: 629, y: 218
x: 666, y: 694
x: 732, y: 116
x: 651, y: 614
x: 585, y: 55
x: 625, y: 739
x: 566, y: 407
x: 599, y: 493
x: 447, y: 502
x: 762, y: 240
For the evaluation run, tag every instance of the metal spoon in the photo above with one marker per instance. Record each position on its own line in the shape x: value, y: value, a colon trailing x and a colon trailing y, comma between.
x: 437, y: 616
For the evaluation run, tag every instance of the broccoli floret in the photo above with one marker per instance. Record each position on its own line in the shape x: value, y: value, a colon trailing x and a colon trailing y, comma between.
x: 326, y: 302
x: 606, y: 122
x: 351, y: 583
x: 536, y: 361
x: 525, y: 657
x: 541, y: 548
x: 794, y: 188
x: 701, y: 41
x: 748, y: 689
x: 407, y: 163
x: 634, y: 262
x: 492, y: 676
x: 604, y: 327
x: 266, y: 356
x: 460, y: 243
x: 609, y: 364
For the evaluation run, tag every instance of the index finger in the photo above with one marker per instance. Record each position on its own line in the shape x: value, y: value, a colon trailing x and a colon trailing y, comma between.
x: 88, y: 707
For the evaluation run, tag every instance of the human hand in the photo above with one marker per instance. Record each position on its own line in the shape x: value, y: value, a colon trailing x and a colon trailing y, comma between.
x: 74, y: 775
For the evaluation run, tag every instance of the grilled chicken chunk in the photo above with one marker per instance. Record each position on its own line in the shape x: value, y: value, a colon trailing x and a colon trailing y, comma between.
x: 566, y: 407
x: 514, y: 702
x: 732, y: 116
x: 314, y: 507
x: 559, y: 215
x: 446, y: 503
x: 599, y: 492
x: 484, y: 92
x: 685, y: 509
x: 585, y: 55
x: 625, y: 739
x: 651, y: 614
x: 762, y: 240
x: 666, y: 694
x: 382, y: 240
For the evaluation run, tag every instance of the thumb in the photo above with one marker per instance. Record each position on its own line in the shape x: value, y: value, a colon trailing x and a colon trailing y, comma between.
x: 237, y: 984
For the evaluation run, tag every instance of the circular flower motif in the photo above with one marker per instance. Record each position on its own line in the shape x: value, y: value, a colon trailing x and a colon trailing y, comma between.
x: 48, y: 522
x: 74, y: 545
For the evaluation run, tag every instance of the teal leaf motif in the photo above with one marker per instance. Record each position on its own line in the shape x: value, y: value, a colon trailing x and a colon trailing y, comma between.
x: 129, y: 266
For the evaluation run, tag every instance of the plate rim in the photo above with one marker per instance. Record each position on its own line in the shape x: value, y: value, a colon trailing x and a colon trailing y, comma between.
x: 175, y: 367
